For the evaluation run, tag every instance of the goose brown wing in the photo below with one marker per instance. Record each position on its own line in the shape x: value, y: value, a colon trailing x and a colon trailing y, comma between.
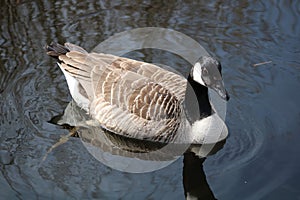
x: 128, y: 97
x: 128, y: 101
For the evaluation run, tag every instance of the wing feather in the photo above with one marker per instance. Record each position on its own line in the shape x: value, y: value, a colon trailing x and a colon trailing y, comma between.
x: 129, y: 97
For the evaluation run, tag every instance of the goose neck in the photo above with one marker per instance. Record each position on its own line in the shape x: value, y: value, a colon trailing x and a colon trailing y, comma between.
x: 197, y: 105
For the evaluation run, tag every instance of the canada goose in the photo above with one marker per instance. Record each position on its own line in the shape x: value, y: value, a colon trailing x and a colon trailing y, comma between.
x: 133, y: 98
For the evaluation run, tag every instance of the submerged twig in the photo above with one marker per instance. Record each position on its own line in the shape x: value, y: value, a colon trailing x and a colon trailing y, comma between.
x: 262, y: 63
x: 61, y: 141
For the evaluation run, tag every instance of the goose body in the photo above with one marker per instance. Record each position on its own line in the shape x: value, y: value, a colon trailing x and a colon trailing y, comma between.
x: 128, y: 97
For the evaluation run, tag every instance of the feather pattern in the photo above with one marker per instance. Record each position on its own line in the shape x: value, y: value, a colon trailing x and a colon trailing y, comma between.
x: 128, y: 97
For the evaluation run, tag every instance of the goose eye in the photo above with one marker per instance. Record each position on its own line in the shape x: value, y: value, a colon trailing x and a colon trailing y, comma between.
x: 204, y: 72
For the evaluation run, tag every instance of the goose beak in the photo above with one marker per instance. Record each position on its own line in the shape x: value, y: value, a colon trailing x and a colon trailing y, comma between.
x: 224, y: 95
x: 221, y: 91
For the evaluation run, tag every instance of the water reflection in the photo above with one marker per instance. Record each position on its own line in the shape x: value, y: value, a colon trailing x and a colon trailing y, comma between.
x: 123, y: 153
x: 194, y: 179
x: 133, y: 155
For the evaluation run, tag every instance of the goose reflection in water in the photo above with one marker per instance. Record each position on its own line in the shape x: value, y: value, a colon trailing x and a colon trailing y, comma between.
x: 138, y: 156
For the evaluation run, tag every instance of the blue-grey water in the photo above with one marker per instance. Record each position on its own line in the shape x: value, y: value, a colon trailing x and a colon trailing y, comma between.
x: 260, y: 158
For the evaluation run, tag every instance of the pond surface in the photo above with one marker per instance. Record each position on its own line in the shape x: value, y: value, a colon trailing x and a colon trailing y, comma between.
x: 258, y: 45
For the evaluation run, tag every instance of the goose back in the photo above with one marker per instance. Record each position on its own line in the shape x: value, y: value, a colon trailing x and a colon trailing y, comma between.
x: 128, y: 97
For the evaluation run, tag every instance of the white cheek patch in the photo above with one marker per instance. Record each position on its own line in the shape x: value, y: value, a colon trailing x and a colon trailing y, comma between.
x: 197, y: 74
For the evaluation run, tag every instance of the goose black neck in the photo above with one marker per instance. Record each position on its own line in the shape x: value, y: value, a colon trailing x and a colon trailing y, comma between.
x: 196, y: 101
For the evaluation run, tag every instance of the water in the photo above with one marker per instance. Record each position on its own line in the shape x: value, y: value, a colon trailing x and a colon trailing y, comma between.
x: 259, y: 159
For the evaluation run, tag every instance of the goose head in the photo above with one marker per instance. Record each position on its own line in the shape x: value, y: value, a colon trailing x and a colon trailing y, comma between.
x: 208, y: 72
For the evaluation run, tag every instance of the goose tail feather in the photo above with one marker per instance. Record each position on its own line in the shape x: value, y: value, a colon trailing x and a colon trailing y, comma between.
x: 55, y: 50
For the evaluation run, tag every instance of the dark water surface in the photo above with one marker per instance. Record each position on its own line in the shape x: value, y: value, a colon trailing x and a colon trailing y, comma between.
x: 260, y: 159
